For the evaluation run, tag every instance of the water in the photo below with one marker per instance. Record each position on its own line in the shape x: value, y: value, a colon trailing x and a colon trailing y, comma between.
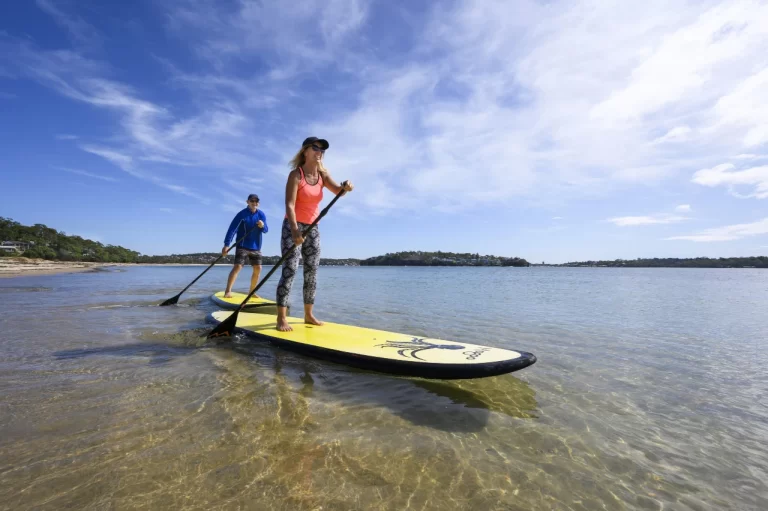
x: 650, y: 392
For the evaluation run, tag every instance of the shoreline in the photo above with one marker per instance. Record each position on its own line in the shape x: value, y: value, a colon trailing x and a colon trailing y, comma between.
x: 24, y: 267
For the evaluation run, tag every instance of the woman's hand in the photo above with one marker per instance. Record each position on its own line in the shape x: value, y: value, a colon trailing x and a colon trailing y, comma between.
x: 348, y: 186
x: 298, y: 239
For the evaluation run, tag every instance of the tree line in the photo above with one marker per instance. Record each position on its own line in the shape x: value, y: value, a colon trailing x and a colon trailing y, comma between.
x: 674, y: 262
x: 439, y: 258
x: 209, y: 257
x: 48, y: 243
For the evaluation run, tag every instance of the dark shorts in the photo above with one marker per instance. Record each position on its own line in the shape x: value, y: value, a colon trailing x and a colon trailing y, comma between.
x: 243, y: 256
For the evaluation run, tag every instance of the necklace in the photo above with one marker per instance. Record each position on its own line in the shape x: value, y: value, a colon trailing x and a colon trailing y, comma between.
x: 316, y: 176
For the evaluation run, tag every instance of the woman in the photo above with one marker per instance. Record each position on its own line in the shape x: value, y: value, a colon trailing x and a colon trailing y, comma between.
x: 253, y: 221
x: 303, y: 193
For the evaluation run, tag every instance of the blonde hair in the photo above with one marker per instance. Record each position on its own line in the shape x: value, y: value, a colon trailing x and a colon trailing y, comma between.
x: 299, y: 161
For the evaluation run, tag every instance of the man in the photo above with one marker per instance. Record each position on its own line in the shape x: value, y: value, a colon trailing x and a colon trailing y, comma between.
x: 253, y: 221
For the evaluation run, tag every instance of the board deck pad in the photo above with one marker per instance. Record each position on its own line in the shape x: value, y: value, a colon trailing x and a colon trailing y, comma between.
x: 382, y: 350
x: 260, y: 304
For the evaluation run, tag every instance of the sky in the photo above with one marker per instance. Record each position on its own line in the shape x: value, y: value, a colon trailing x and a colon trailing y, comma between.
x: 553, y: 131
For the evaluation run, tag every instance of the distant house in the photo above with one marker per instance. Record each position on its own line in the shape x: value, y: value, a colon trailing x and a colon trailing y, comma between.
x: 14, y: 246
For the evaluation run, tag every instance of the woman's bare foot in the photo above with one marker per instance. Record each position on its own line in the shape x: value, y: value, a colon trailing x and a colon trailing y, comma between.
x: 283, y: 326
x: 312, y: 320
x: 282, y: 319
x: 227, y: 295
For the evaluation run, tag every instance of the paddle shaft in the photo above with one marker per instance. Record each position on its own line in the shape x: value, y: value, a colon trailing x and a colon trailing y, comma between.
x: 169, y: 301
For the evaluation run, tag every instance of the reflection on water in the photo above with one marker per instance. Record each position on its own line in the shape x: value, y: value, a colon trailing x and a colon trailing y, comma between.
x: 112, y: 402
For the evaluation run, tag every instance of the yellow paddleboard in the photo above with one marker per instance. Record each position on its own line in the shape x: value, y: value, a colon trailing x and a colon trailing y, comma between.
x: 383, y: 351
x: 261, y: 305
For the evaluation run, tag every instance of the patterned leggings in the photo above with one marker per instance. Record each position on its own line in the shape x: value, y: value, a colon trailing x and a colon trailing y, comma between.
x: 310, y: 252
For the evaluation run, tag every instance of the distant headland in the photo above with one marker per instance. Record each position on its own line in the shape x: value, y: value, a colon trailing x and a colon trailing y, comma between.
x: 42, y: 242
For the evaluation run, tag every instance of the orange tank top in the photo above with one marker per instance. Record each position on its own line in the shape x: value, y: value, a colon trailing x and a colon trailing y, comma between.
x: 308, y: 199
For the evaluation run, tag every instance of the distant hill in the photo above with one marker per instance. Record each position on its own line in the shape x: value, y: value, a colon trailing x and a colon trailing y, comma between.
x: 671, y: 262
x: 43, y: 242
x: 442, y: 259
x: 40, y: 241
x: 209, y: 257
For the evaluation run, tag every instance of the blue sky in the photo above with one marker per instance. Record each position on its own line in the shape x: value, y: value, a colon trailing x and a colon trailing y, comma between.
x: 553, y: 131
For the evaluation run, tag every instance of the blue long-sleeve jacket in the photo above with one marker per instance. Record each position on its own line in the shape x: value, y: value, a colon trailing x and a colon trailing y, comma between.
x: 243, y: 222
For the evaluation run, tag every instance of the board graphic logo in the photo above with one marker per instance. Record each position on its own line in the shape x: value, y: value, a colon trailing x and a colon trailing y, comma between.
x: 410, y: 348
x: 472, y: 355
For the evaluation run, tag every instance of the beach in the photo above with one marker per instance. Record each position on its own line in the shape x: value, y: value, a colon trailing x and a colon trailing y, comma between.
x: 26, y: 267
x: 23, y: 266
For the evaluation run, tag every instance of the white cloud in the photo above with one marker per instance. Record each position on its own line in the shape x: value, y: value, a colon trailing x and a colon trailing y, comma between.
x: 632, y: 221
x: 727, y: 233
x: 746, y: 109
x: 88, y: 174
x: 726, y: 175
x: 557, y: 218
x: 684, y: 61
x: 121, y: 160
x: 213, y: 139
x: 542, y: 99
x: 213, y: 136
x: 497, y: 101
x: 292, y: 37
x: 125, y: 162
x: 676, y: 134
x: 81, y: 32
x: 658, y: 218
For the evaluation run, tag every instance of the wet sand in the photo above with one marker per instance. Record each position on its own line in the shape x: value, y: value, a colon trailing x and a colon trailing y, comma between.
x: 24, y: 267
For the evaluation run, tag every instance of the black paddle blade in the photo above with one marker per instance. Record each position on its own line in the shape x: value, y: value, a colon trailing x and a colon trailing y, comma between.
x: 171, y: 301
x: 226, y: 328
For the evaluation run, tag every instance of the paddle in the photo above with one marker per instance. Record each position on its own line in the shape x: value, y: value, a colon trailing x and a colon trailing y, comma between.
x: 175, y: 299
x: 226, y: 327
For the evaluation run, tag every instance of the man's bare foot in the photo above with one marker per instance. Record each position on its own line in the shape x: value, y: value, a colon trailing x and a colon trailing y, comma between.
x: 283, y: 326
x: 310, y: 319
x: 227, y: 295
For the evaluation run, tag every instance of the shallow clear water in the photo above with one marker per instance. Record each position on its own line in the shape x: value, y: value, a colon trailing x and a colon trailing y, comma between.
x: 650, y: 392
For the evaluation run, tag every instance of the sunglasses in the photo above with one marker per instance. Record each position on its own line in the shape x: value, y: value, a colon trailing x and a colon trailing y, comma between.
x: 254, y: 201
x: 317, y: 148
